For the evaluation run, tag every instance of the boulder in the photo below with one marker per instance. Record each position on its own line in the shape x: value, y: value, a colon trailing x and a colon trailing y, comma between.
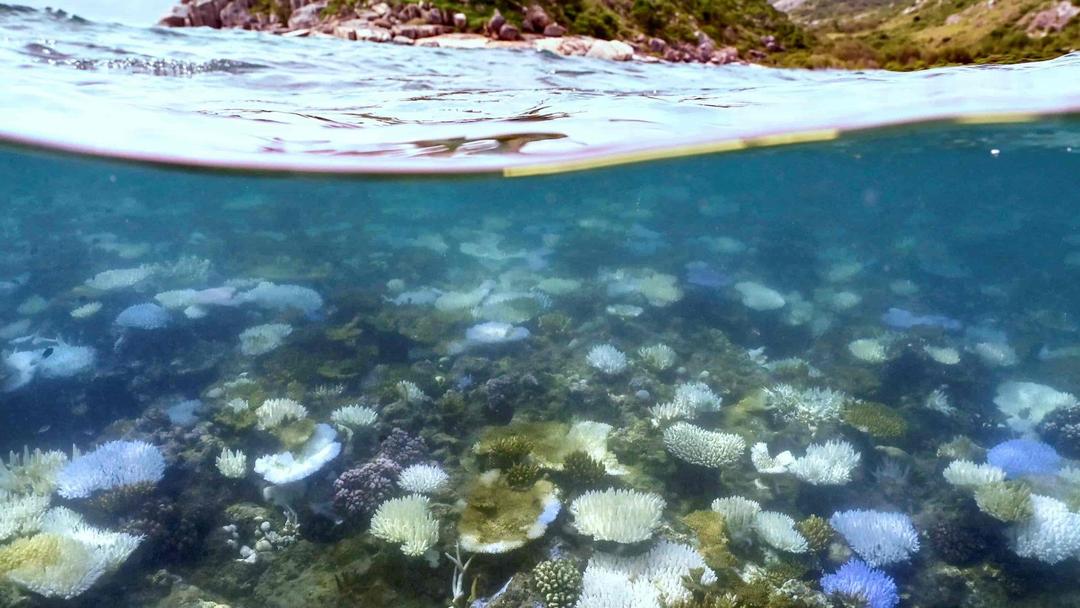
x: 612, y: 50
x: 381, y: 9
x: 495, y: 23
x: 509, y: 32
x: 236, y: 14
x: 461, y: 21
x: 535, y: 19
x: 554, y: 30
x: 402, y: 40
x: 373, y: 34
x: 657, y: 45
x: 307, y: 16
x: 725, y: 55
x: 206, y: 13
x: 178, y: 16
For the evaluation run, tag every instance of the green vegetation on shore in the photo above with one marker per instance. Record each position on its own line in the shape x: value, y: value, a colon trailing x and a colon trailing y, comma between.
x: 913, y: 35
x: 904, y: 35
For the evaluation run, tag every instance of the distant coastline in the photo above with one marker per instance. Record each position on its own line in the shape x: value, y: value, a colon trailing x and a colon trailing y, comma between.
x: 811, y: 33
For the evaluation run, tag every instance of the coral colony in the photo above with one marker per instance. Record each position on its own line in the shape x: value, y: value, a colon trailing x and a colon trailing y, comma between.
x: 581, y: 406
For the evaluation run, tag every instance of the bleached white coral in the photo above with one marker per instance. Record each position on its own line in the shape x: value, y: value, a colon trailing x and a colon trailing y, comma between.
x: 113, y: 464
x: 423, y: 479
x: 690, y: 399
x: 813, y: 406
x: 287, y: 467
x: 868, y: 350
x: 764, y: 463
x: 756, y: 296
x: 31, y: 472
x: 938, y: 400
x: 232, y: 463
x: 942, y: 354
x: 878, y: 537
x: 778, y: 531
x: 739, y: 513
x: 622, y: 516
x: 411, y: 393
x: 653, y: 578
x: 1026, y: 403
x: 657, y: 356
x: 283, y: 297
x: 273, y: 412
x: 606, y: 358
x: 120, y: 277
x: 965, y: 473
x: 261, y: 339
x: 80, y: 555
x: 408, y: 522
x: 699, y: 446
x: 828, y: 464
x: 353, y: 416
x: 20, y: 514
x: 1051, y: 534
x: 86, y: 310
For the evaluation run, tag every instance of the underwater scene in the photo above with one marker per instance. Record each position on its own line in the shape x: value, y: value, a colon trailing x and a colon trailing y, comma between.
x: 840, y: 373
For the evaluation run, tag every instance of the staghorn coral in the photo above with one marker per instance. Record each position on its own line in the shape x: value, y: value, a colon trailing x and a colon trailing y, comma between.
x: 607, y: 359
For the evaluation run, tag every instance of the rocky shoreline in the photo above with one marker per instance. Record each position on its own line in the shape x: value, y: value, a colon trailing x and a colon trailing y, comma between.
x: 423, y: 24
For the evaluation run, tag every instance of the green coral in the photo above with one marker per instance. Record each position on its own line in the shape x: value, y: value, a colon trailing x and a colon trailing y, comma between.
x: 710, y: 528
x: 558, y: 582
x: 522, y: 475
x: 1008, y: 501
x: 497, y: 515
x: 875, y: 419
x: 582, y: 471
x: 817, y: 532
x: 505, y: 452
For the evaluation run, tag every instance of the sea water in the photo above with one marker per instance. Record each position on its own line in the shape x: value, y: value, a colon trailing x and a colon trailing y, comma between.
x: 842, y: 370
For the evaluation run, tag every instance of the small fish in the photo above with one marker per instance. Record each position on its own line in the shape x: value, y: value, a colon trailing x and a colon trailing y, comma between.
x: 44, y: 429
x: 45, y: 354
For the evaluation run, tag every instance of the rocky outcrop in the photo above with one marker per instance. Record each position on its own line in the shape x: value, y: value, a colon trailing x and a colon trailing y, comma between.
x: 426, y: 25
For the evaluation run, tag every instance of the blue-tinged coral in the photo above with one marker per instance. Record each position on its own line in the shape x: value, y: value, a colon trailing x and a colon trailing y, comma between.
x: 114, y: 464
x: 143, y: 316
x: 856, y: 580
x: 1023, y: 457
x: 878, y: 537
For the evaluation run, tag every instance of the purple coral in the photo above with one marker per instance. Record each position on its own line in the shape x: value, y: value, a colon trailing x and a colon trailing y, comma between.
x: 402, y: 448
x: 857, y: 580
x: 360, y: 490
x: 1020, y: 457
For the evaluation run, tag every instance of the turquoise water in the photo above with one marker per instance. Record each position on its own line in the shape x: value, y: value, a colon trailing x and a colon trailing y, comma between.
x: 840, y: 373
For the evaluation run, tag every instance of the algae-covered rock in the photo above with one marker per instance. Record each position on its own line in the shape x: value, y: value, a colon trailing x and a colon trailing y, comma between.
x: 497, y: 518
